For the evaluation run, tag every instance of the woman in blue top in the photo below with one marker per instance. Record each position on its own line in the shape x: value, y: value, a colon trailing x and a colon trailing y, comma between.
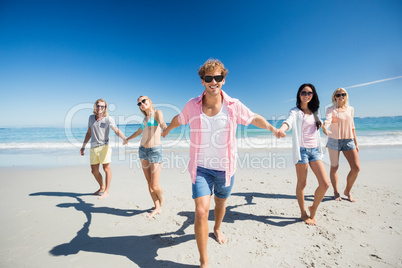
x: 306, y: 147
x: 150, y: 150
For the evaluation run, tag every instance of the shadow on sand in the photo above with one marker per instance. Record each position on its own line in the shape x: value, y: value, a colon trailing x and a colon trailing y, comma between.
x: 141, y: 250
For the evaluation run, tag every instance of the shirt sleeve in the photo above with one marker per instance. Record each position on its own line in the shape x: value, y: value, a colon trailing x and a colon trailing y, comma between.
x: 290, y: 119
x: 244, y: 115
x: 184, y: 115
x: 328, y: 117
x: 91, y: 120
x: 112, y: 124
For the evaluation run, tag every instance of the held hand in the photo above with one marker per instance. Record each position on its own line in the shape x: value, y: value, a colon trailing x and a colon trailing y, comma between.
x: 326, y: 132
x: 275, y: 132
x: 281, y: 134
x: 125, y: 142
x: 164, y: 133
x: 82, y: 150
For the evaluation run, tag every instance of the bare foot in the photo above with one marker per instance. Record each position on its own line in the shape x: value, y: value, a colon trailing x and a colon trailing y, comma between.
x: 350, y: 197
x: 310, y: 221
x: 204, y: 265
x: 337, y: 197
x: 220, y: 237
x: 154, y: 212
x: 99, y: 191
x: 104, y: 195
x: 304, y: 216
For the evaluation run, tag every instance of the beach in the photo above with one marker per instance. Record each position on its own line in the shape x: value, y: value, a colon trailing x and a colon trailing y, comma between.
x: 50, y: 218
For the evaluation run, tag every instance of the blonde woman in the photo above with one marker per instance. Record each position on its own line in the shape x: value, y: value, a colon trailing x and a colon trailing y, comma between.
x: 99, y: 125
x: 150, y: 150
x: 342, y: 137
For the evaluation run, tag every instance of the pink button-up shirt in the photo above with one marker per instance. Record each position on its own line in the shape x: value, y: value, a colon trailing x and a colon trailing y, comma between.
x: 191, y: 114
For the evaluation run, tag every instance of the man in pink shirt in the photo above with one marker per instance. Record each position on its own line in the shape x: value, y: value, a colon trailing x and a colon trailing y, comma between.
x: 213, y: 119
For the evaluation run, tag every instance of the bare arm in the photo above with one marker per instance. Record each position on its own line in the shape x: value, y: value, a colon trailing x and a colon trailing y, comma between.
x: 87, y: 137
x: 119, y: 133
x: 260, y: 122
x: 134, y: 135
x: 325, y: 130
x: 174, y: 124
x: 327, y: 122
x: 160, y: 120
x: 354, y: 138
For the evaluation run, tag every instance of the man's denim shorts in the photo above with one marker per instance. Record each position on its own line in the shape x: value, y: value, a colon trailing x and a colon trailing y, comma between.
x: 309, y: 155
x: 153, y: 154
x: 341, y: 144
x: 208, y: 179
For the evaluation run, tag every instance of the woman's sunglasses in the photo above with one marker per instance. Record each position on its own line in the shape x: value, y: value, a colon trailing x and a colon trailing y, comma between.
x: 208, y: 78
x: 305, y: 93
x: 340, y: 94
x: 141, y: 102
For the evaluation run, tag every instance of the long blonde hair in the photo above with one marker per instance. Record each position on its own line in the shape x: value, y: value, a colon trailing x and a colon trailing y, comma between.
x: 96, y: 103
x: 340, y: 90
x: 150, y: 102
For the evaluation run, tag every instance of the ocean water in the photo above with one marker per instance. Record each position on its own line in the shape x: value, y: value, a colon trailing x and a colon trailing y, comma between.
x: 42, y: 146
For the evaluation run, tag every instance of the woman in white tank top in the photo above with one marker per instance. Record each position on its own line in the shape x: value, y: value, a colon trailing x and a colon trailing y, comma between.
x: 306, y: 147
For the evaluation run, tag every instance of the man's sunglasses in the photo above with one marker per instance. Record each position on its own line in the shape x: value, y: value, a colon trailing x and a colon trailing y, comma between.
x: 100, y: 106
x: 208, y: 78
x: 340, y: 94
x: 141, y: 102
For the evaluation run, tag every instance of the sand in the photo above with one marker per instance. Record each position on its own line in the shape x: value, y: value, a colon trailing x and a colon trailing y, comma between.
x: 50, y: 219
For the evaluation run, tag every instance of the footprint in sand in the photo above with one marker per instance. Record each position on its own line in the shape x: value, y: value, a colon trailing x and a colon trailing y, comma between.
x: 375, y: 257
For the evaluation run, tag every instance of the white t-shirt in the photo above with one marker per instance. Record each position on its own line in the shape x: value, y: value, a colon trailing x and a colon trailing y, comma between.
x: 100, y: 130
x: 214, y: 140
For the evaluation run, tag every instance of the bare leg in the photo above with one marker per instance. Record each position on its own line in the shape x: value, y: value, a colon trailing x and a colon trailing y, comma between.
x: 108, y: 172
x: 219, y: 212
x: 353, y: 159
x: 152, y: 174
x: 301, y: 172
x: 98, y: 177
x: 201, y: 227
x: 323, y: 185
x: 334, y: 158
x: 155, y: 189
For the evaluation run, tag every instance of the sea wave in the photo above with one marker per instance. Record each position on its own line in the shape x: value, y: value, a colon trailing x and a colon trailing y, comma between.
x: 260, y: 142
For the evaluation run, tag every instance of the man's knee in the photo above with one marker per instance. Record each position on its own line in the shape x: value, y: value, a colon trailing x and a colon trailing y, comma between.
x: 95, y: 172
x: 220, y: 202
x: 106, y: 168
x: 201, y: 212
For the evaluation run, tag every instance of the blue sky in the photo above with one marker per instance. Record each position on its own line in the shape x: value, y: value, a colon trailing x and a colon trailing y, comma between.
x: 58, y: 56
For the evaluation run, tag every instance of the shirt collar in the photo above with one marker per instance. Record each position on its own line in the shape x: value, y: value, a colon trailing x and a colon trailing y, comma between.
x: 226, y: 98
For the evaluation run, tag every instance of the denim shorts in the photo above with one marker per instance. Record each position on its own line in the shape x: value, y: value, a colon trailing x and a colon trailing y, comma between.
x: 341, y: 144
x: 153, y: 154
x: 208, y: 179
x: 309, y: 155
